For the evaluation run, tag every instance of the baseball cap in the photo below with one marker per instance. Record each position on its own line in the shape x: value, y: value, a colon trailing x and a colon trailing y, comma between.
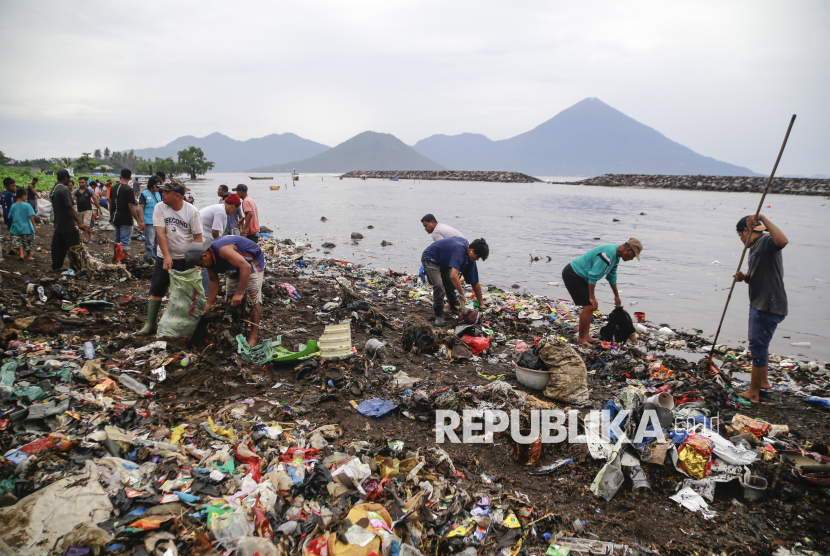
x: 62, y: 174
x: 741, y: 225
x: 194, y: 251
x: 233, y: 199
x: 241, y: 187
x: 636, y: 246
x: 177, y: 187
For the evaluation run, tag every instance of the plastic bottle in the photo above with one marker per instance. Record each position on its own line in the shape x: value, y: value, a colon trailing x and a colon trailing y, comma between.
x: 134, y: 385
x: 89, y: 350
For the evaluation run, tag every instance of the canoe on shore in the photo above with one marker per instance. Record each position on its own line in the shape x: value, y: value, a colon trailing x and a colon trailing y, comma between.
x: 253, y: 178
x: 275, y: 188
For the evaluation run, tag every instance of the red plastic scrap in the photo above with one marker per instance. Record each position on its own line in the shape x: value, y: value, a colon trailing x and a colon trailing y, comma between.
x: 477, y: 343
x: 307, y: 453
x: 37, y: 446
x: 247, y: 455
x: 261, y: 524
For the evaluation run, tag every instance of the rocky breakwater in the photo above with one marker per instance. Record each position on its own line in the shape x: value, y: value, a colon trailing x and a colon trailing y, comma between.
x: 786, y: 186
x: 449, y: 175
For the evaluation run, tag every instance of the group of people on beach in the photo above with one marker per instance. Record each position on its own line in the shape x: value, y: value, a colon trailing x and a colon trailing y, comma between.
x: 451, y: 257
x: 220, y: 238
x: 223, y: 239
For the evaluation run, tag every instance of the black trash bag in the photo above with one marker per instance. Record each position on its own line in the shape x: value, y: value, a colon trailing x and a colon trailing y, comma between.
x: 204, y: 485
x: 358, y: 306
x: 619, y: 327
x: 314, y: 485
x: 529, y: 359
x: 57, y: 291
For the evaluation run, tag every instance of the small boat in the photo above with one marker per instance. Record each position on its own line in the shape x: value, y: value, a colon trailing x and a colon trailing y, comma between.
x: 295, y: 176
x: 393, y: 178
x: 254, y: 178
x: 275, y: 188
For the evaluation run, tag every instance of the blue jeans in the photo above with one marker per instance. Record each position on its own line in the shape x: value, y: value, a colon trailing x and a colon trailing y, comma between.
x: 151, y: 242
x: 123, y: 234
x: 762, y: 325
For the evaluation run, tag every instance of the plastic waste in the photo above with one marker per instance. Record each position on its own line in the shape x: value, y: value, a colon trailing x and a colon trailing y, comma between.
x: 376, y: 407
x: 133, y: 385
x: 89, y: 350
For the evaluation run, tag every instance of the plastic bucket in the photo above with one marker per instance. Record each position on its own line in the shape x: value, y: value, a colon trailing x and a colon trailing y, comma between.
x: 641, y: 317
x: 336, y: 342
x: 527, y: 454
x: 755, y: 488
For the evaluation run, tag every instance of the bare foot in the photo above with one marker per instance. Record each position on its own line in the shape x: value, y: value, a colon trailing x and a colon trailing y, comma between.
x: 30, y: 258
x: 747, y: 396
x: 588, y: 342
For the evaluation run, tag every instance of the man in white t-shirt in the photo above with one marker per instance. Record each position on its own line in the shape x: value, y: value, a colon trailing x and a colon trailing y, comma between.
x: 438, y: 231
x: 177, y: 224
x: 214, y: 223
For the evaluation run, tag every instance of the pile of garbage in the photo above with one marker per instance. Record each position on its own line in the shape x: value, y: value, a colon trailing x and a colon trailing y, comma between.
x: 320, y: 440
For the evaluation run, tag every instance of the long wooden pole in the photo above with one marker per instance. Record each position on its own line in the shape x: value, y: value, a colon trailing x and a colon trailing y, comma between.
x: 749, y: 238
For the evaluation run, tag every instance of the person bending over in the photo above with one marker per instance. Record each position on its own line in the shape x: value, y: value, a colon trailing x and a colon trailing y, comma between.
x: 241, y: 260
x: 445, y: 261
x: 582, y: 274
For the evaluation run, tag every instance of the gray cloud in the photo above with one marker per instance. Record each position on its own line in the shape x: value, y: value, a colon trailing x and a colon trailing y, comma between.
x: 721, y: 78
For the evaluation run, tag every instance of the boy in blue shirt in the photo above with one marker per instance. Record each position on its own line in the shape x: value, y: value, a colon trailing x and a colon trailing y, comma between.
x: 22, y: 217
x: 7, y: 199
x: 583, y: 273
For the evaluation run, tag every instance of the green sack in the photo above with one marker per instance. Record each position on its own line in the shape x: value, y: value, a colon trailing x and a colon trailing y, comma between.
x: 185, y: 305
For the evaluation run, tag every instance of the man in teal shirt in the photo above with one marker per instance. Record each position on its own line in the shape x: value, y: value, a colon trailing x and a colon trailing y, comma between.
x: 583, y: 273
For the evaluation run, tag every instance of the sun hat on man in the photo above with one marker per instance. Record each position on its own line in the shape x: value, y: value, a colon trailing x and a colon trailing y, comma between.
x: 636, y: 245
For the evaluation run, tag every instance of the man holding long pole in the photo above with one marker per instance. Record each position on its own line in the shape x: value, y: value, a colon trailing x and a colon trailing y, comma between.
x: 767, y: 298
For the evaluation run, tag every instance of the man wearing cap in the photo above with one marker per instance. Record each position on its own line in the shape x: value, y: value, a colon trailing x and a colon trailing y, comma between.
x: 177, y: 224
x: 251, y: 224
x: 241, y: 260
x: 767, y: 298
x: 583, y: 273
x: 66, y: 217
x: 214, y: 218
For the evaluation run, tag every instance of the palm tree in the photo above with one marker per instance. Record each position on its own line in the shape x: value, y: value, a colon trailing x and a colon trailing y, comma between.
x: 107, y: 153
x: 97, y: 154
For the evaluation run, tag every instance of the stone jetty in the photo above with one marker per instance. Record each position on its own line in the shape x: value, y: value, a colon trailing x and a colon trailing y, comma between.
x: 449, y: 175
x: 785, y: 186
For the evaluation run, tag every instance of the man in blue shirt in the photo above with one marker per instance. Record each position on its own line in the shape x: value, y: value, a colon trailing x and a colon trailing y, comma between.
x: 444, y: 261
x: 583, y: 273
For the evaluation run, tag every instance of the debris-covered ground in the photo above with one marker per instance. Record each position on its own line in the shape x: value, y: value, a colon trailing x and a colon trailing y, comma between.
x: 222, y: 454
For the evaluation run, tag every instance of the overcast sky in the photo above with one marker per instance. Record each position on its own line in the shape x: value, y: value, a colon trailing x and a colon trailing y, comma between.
x: 722, y: 78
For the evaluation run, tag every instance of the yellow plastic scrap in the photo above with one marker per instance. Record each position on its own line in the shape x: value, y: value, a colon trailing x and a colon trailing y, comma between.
x: 511, y: 521
x: 387, y: 467
x: 216, y: 429
x: 463, y: 529
x: 176, y: 435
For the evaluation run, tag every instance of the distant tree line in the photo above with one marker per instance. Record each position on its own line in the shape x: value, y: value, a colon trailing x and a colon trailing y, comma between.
x: 190, y: 161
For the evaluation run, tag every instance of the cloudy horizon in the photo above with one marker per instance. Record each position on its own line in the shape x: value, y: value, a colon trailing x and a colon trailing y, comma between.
x: 721, y: 79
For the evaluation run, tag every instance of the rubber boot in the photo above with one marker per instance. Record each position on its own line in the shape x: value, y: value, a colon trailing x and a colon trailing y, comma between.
x: 152, y: 314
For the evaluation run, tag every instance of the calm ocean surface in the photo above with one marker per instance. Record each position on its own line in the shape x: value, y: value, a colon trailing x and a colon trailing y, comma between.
x: 690, y: 251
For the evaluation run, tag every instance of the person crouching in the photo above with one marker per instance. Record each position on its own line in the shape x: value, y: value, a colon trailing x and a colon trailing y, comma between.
x: 445, y: 261
x: 243, y: 263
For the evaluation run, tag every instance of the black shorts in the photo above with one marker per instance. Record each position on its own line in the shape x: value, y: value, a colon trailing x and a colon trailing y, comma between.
x: 577, y: 287
x: 161, y: 277
x: 253, y: 237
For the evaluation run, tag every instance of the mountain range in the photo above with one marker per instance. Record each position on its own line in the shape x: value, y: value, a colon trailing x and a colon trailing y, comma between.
x: 368, y: 150
x: 231, y: 155
x: 590, y: 138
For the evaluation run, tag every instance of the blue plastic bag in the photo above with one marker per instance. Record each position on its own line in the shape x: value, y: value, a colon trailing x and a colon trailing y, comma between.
x: 376, y: 407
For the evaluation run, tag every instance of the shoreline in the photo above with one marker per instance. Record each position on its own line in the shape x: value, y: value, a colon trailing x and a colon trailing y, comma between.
x: 735, y: 184
x: 447, y: 175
